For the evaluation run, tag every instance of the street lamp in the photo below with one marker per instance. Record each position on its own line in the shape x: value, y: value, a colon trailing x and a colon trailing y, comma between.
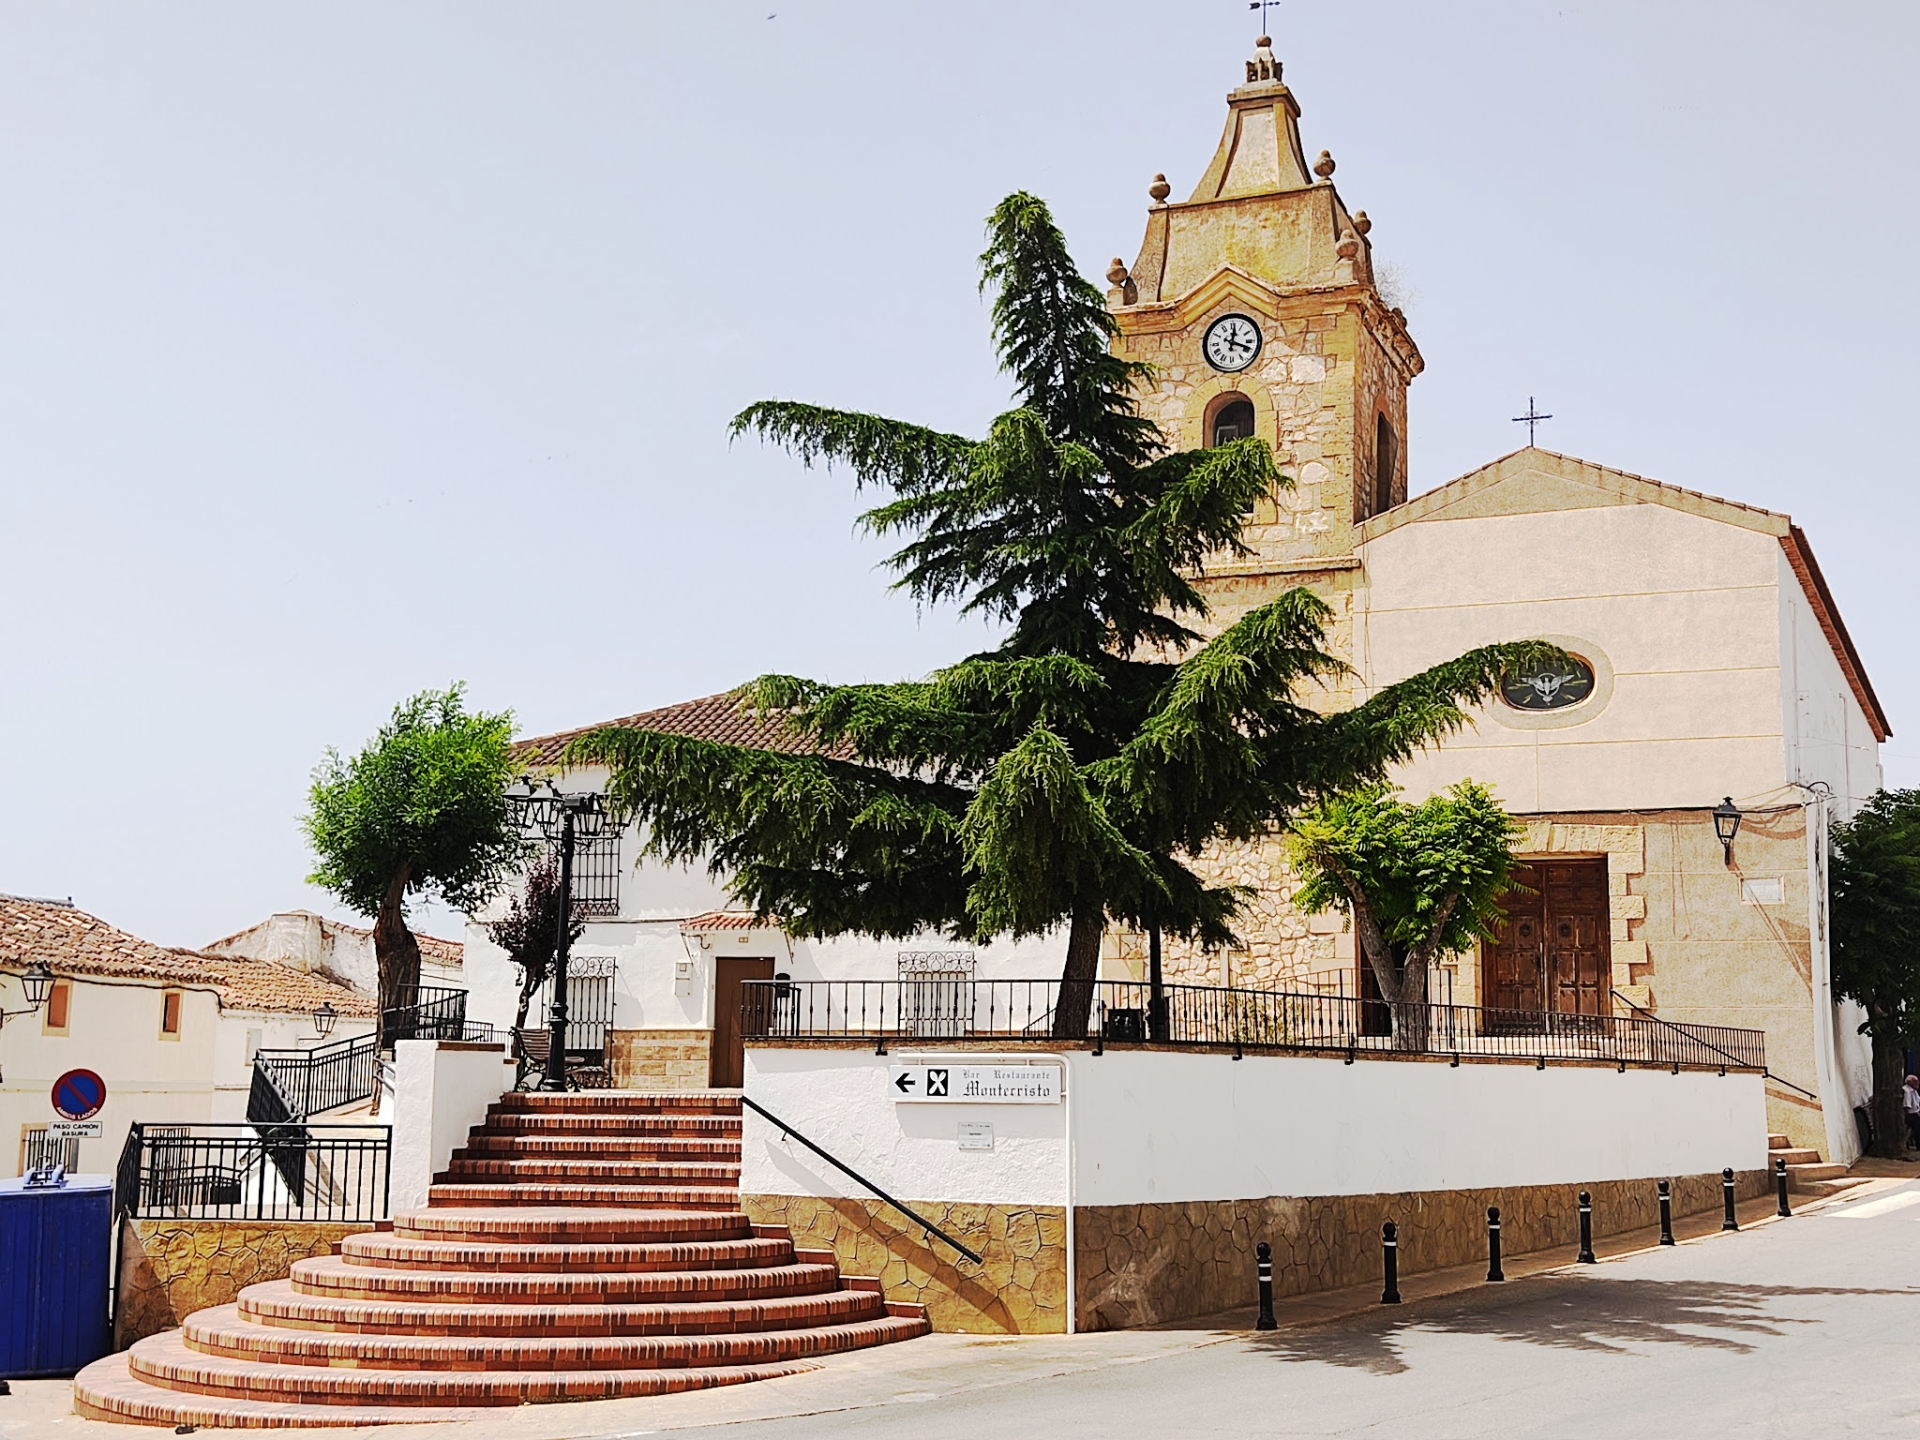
x: 1726, y: 824
x: 36, y: 984
x: 324, y: 1017
x: 560, y: 818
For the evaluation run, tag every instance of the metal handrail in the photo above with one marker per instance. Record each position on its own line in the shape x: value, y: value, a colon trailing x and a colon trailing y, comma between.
x: 926, y: 1225
x: 1732, y: 1059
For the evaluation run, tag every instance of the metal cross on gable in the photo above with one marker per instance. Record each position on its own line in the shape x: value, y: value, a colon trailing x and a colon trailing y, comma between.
x: 1532, y: 418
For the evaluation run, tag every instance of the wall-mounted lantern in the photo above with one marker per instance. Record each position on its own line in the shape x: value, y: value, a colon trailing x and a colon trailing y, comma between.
x: 324, y: 1017
x: 1726, y: 824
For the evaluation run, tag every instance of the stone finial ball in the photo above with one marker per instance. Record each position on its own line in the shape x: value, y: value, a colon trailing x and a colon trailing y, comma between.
x: 1159, y: 189
x: 1348, y: 245
x: 1323, y: 167
x: 1117, y: 272
x: 1361, y: 222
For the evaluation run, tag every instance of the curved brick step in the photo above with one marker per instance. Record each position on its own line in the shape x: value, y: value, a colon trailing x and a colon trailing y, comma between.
x: 106, y: 1391
x: 536, y: 1192
x: 165, y: 1363
x: 633, y: 1126
x: 296, y: 1329
x: 619, y: 1171
x: 620, y: 1102
x: 387, y: 1251
x: 561, y: 1224
x: 715, y: 1150
x: 661, y: 1364
x: 331, y: 1277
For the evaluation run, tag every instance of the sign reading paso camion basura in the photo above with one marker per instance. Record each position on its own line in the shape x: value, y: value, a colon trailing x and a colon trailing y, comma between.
x: 942, y: 1082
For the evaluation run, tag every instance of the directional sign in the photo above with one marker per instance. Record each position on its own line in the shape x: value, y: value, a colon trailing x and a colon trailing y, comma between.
x: 949, y: 1082
x: 78, y: 1095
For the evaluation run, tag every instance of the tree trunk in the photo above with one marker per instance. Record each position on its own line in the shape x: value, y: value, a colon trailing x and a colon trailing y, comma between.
x: 1075, y: 1003
x: 1888, y: 1105
x: 397, y: 957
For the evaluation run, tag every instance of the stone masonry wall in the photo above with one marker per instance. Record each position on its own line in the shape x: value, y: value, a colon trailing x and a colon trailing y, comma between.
x: 1147, y: 1264
x: 1021, y: 1288
x: 171, y: 1268
x: 659, y: 1059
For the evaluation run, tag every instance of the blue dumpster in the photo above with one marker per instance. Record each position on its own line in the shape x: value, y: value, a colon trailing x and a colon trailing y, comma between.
x: 55, y: 1243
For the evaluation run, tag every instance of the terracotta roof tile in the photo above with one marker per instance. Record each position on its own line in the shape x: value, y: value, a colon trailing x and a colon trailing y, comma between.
x: 724, y: 920
x: 71, y: 942
x: 717, y: 717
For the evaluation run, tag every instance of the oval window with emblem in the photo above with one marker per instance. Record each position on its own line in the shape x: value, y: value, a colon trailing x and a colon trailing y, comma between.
x: 1548, y: 687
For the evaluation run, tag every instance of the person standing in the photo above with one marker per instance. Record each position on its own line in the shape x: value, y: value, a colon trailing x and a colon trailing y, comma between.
x: 1912, y: 1099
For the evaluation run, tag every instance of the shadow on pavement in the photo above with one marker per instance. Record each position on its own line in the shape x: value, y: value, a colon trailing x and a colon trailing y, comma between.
x: 1606, y: 1315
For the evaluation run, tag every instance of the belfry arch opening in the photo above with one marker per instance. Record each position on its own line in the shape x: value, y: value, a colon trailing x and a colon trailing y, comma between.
x: 1230, y: 417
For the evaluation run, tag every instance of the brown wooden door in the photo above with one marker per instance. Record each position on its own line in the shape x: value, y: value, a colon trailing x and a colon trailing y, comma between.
x: 1553, y: 951
x: 727, y: 1064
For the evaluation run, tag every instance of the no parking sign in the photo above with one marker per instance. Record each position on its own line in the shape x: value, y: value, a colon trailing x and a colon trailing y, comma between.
x: 79, y: 1094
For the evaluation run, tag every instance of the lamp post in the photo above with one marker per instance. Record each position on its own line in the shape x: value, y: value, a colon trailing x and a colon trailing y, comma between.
x: 323, y: 1019
x: 563, y: 819
x: 1726, y: 825
x: 36, y: 985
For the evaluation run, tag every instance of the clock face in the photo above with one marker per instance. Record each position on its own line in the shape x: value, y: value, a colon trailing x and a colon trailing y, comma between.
x: 1548, y: 687
x: 1232, y: 343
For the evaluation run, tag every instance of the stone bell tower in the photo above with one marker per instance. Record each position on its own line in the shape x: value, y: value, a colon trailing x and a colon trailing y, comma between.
x: 1254, y: 301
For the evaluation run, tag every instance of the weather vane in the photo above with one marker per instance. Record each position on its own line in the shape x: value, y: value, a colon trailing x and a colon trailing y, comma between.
x: 1532, y: 418
x: 1263, y: 6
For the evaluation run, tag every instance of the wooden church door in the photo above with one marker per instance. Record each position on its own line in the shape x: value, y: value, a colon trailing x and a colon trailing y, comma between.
x: 1553, y: 951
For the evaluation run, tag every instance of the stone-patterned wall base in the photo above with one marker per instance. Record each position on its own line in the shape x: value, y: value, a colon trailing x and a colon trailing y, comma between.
x: 1021, y: 1288
x: 171, y: 1268
x: 1145, y: 1264
x: 659, y: 1059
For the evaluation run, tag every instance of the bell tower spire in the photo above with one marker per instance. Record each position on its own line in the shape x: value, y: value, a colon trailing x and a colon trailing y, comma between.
x: 1255, y: 302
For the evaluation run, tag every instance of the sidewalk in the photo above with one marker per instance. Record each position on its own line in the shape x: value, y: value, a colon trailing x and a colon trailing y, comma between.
x: 932, y: 1367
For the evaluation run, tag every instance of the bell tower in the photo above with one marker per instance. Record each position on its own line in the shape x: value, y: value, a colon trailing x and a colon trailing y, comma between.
x: 1254, y: 301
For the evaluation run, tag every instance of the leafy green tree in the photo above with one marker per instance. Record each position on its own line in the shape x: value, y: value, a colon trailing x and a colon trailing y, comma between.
x: 530, y: 930
x: 1069, y: 775
x: 1417, y: 881
x: 1875, y: 888
x: 420, y: 810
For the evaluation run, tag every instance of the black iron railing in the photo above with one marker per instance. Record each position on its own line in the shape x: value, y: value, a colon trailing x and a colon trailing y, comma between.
x: 1123, y: 1013
x: 290, y: 1085
x: 427, y: 1012
x: 254, y: 1172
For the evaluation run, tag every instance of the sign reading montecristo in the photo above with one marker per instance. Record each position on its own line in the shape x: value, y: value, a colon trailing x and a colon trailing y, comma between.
x: 951, y: 1083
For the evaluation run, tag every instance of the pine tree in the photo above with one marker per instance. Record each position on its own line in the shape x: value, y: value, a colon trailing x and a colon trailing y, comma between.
x: 1071, y: 774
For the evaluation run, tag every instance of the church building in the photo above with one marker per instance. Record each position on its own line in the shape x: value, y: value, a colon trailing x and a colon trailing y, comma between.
x: 1675, y: 781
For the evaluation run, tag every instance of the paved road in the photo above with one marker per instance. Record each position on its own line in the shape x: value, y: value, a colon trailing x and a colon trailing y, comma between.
x: 1808, y: 1328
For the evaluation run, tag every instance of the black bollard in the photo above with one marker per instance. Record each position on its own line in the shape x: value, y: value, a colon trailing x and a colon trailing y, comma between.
x: 1586, y: 1229
x: 1732, y: 1222
x: 1666, y: 1212
x: 1263, y: 1252
x: 1780, y: 1188
x: 1390, y: 1261
x: 1494, y: 1272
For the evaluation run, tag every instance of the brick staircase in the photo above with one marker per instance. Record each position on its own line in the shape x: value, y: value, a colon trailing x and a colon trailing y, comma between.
x: 579, y: 1247
x: 1807, y: 1173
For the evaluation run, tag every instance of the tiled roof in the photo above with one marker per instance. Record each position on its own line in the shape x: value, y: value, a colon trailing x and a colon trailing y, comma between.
x: 71, y: 942
x: 719, y: 718
x: 433, y: 949
x: 725, y: 920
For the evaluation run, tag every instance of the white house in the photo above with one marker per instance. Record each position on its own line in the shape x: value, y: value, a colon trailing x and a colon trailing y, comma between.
x: 171, y: 1032
x: 302, y: 940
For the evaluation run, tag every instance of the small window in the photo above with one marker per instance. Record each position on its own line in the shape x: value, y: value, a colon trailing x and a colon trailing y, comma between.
x: 170, y: 1013
x: 59, y: 1009
x: 1385, y: 455
x: 1233, y: 420
x: 37, y: 1148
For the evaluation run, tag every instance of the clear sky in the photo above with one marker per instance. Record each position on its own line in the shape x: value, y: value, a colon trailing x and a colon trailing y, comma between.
x: 350, y: 349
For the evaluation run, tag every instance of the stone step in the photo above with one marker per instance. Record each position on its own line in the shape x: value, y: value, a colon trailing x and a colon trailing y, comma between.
x: 561, y: 1224
x: 561, y: 1123
x: 714, y: 1150
x: 165, y: 1360
x: 625, y: 1172
x: 622, y: 1102
x: 604, y: 1194
x: 287, y: 1314
x: 106, y: 1391
x: 1777, y: 1142
x: 405, y: 1253
x: 332, y: 1277
x: 1804, y: 1174
x: 1794, y: 1155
